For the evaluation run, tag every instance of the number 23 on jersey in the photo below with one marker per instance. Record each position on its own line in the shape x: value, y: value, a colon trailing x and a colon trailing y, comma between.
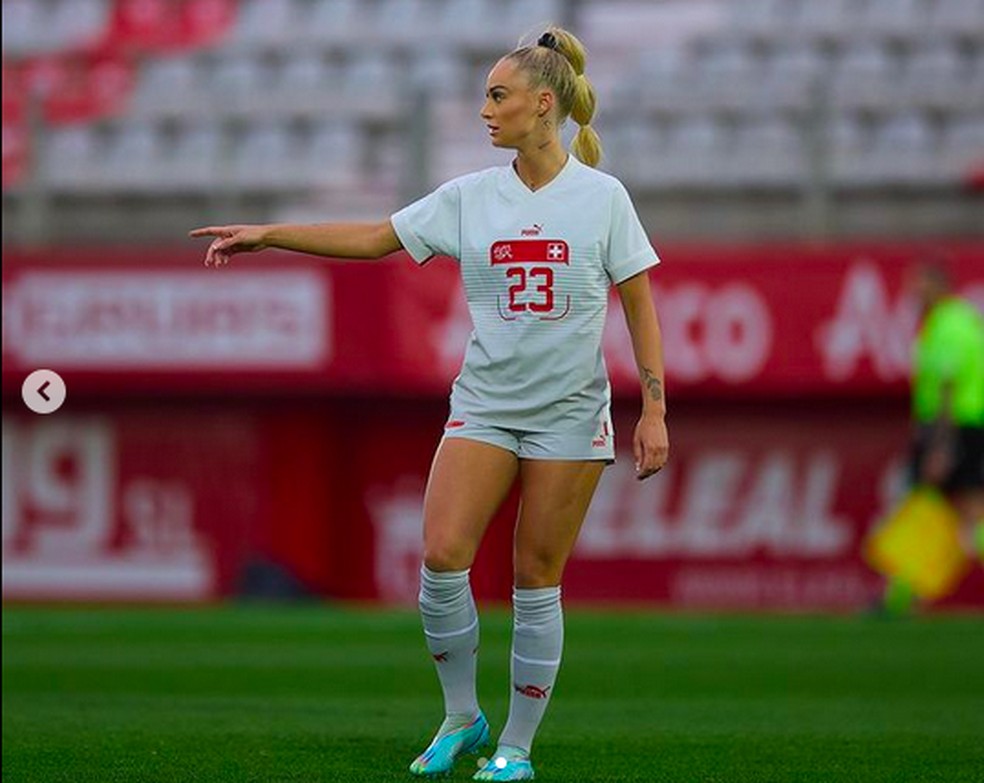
x: 528, y: 266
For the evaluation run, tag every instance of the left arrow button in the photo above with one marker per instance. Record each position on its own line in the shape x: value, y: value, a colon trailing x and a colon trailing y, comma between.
x: 43, y: 391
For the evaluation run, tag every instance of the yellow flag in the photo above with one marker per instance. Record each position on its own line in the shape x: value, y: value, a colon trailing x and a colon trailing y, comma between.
x: 920, y: 543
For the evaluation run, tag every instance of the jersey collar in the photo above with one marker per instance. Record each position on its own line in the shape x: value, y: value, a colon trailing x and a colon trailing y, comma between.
x: 524, y: 188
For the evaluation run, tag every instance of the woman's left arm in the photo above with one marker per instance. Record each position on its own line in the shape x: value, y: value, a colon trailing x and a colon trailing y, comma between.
x: 650, y: 443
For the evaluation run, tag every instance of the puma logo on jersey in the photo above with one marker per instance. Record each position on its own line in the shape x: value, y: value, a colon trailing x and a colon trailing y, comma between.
x: 532, y: 231
x: 601, y: 440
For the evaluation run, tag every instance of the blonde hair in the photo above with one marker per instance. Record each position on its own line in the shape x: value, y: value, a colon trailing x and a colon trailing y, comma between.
x: 557, y: 61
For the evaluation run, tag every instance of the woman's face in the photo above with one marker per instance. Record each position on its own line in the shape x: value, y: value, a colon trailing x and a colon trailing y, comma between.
x: 512, y: 111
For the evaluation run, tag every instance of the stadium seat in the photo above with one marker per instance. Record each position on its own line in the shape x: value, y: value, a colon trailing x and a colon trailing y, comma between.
x: 758, y: 17
x: 936, y: 75
x: 635, y: 148
x: 22, y: 27
x: 797, y: 62
x: 850, y: 139
x: 261, y: 157
x: 861, y: 76
x: 264, y: 23
x: 695, y: 151
x: 905, y: 132
x: 934, y: 61
x: 893, y: 18
x: 903, y: 150
x: 440, y: 71
x: 698, y: 132
x: 331, y: 23
x: 67, y: 165
x: 963, y: 18
x: 790, y: 75
x: 962, y: 144
x: 767, y: 152
x: 306, y: 70
x: 621, y: 31
x: 74, y: 24
x: 831, y: 19
x: 195, y: 157
x: 133, y: 157
x: 727, y: 76
x: 974, y: 81
x: 166, y: 84
x: 525, y: 17
x: 236, y: 75
x: 726, y: 60
x: 849, y: 132
x: 402, y: 22
x: 305, y: 82
x: 371, y: 73
x: 482, y: 27
x: 331, y: 155
x: 32, y: 27
x: 663, y: 79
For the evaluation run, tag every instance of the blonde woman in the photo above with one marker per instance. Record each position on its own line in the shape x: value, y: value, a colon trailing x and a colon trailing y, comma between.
x: 539, y: 242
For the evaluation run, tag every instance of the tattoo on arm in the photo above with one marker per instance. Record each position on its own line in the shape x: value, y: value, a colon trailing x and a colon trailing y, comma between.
x: 654, y: 384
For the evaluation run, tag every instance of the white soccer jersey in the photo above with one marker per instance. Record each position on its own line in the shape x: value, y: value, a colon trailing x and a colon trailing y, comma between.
x: 537, y: 267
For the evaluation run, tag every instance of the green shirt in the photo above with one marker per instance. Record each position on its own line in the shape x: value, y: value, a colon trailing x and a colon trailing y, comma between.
x: 949, y: 351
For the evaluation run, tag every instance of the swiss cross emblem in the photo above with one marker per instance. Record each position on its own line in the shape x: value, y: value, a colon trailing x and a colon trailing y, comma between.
x: 502, y: 252
x: 555, y: 251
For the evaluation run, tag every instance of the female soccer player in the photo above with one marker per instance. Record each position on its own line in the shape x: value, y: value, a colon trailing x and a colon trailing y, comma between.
x: 539, y: 243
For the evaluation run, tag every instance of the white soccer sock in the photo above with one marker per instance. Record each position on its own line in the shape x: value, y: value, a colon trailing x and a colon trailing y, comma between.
x: 538, y: 642
x: 451, y: 627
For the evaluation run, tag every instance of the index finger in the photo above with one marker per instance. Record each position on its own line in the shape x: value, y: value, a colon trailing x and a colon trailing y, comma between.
x: 209, y: 231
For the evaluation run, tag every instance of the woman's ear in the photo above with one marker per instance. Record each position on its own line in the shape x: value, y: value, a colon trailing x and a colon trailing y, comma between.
x: 545, y: 103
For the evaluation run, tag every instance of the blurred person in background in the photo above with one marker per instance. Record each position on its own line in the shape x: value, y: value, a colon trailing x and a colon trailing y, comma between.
x: 947, y: 408
x: 540, y: 242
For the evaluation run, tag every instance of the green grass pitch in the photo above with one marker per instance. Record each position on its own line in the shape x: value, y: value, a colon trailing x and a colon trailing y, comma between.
x: 318, y: 693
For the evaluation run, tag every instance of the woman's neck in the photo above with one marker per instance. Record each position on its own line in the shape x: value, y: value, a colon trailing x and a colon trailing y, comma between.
x: 539, y: 166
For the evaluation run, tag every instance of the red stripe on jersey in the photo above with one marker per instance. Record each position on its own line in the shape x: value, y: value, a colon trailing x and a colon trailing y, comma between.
x: 532, y: 251
x: 454, y: 424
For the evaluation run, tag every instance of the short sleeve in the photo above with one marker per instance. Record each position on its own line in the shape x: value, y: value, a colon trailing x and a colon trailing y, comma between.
x: 629, y: 250
x: 430, y: 226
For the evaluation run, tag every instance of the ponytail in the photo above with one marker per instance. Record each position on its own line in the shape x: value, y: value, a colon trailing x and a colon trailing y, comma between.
x: 586, y: 146
x: 557, y: 60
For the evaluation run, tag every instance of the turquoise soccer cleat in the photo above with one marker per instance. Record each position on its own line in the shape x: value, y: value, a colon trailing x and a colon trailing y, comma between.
x: 445, y: 749
x: 506, y: 766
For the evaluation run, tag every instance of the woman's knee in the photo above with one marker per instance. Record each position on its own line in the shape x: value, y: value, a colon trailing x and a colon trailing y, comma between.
x: 538, y: 568
x: 448, y: 555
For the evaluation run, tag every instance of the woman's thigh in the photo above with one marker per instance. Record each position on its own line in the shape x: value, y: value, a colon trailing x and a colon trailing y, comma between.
x: 468, y: 482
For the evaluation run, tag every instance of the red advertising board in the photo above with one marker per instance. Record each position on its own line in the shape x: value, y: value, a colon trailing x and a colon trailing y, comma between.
x: 163, y: 502
x: 106, y: 506
x: 762, y: 507
x: 740, y: 322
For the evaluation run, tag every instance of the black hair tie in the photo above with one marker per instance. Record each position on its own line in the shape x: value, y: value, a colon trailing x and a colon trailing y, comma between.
x: 549, y: 40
